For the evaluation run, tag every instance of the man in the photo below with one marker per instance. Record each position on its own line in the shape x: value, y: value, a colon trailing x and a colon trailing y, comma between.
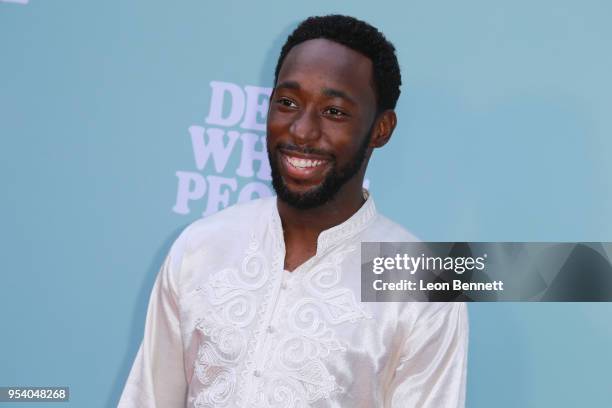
x: 258, y: 305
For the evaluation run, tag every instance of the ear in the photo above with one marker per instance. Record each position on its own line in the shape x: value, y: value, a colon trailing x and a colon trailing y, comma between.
x: 385, y: 124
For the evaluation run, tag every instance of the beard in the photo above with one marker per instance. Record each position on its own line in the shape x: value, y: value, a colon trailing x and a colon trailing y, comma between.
x: 324, y: 192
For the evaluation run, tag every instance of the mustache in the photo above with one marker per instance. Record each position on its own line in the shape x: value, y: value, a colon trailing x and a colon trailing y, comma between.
x: 303, y: 149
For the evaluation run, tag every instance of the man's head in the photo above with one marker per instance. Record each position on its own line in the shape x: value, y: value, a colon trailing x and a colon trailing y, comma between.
x: 336, y: 84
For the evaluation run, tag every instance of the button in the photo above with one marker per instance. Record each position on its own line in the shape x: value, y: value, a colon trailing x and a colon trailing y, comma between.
x: 284, y: 285
x: 257, y: 373
x: 270, y: 329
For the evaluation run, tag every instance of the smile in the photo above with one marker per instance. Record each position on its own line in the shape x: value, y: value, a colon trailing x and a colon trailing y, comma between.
x: 303, y: 163
x: 304, y: 169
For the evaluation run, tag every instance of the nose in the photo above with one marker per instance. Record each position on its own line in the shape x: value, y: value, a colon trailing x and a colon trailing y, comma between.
x: 305, y: 127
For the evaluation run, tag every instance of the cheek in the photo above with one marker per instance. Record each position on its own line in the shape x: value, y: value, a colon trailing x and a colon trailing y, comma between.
x: 344, y: 136
x: 277, y: 124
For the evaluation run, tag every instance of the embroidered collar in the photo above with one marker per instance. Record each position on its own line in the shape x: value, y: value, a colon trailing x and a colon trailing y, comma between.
x: 352, y: 226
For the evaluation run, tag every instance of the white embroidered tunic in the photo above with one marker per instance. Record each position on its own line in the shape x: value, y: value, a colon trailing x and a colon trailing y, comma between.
x: 227, y: 326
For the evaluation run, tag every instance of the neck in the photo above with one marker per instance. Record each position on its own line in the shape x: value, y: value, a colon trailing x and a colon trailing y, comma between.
x: 306, y: 225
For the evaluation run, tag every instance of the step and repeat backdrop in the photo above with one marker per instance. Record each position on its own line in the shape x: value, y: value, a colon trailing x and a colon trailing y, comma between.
x: 123, y: 121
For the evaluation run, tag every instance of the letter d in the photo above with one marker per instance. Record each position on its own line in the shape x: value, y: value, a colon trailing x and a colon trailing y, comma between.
x: 215, y: 114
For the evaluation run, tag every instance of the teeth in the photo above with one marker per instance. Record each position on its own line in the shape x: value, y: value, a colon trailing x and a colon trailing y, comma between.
x: 303, y: 163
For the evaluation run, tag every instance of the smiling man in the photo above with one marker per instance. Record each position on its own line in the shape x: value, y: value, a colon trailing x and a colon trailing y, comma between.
x: 258, y: 305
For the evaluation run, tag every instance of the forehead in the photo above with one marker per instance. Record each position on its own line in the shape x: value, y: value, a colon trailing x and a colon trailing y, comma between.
x: 322, y: 63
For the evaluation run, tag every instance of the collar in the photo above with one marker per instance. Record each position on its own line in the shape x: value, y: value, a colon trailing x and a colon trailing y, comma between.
x: 341, y: 232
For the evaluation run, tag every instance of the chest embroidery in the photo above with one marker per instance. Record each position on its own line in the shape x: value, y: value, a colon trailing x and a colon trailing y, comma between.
x: 293, y: 373
x: 232, y: 294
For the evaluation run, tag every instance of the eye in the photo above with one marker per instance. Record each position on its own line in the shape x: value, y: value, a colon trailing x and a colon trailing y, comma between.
x: 335, y: 112
x: 286, y: 102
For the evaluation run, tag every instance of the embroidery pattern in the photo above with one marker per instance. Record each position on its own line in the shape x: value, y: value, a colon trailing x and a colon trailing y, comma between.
x: 278, y: 248
x: 231, y: 293
x: 298, y: 375
x: 215, y: 362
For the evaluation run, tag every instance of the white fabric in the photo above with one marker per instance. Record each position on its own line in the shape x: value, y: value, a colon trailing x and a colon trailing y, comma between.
x: 228, y: 327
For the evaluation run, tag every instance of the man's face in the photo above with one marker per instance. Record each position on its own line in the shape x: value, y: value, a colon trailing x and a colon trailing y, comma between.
x: 321, y: 114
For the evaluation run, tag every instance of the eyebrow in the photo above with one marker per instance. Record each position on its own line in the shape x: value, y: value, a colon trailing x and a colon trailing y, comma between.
x: 335, y: 93
x: 288, y: 85
x: 332, y: 93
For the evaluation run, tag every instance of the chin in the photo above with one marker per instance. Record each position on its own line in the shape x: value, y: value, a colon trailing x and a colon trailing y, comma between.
x: 303, y: 199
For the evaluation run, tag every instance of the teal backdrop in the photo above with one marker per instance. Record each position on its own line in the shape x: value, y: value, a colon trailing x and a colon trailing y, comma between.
x: 504, y: 134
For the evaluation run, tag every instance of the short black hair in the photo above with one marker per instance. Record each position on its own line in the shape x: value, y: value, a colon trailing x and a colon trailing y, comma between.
x: 361, y: 37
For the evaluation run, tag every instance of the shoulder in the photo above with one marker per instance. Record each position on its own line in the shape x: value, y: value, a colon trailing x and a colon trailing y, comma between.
x: 446, y: 316
x: 223, y: 228
x: 232, y: 217
x: 432, y: 311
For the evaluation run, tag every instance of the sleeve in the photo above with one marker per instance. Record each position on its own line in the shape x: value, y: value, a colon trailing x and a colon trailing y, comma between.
x: 432, y: 368
x: 157, y: 378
